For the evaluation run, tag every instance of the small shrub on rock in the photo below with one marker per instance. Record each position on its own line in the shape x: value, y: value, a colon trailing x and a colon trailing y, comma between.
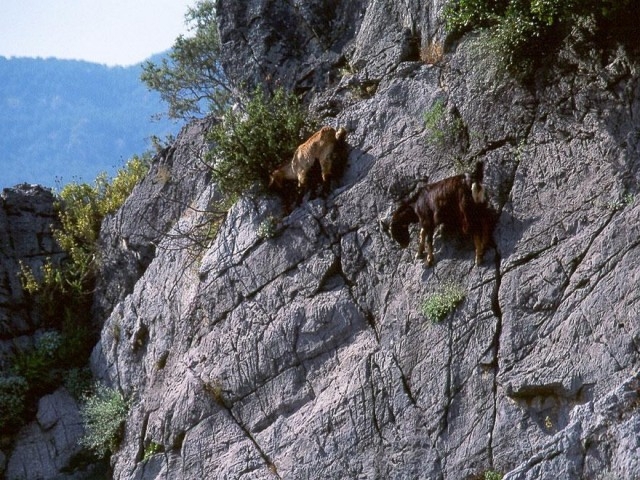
x: 522, y: 33
x: 152, y: 449
x: 492, y: 475
x: 438, y: 306
x: 268, y: 228
x: 443, y: 128
x: 104, y: 413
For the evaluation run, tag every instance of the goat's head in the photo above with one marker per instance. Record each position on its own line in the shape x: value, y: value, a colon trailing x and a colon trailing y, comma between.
x: 477, y: 189
x: 328, y: 134
x: 277, y: 179
x: 400, y: 221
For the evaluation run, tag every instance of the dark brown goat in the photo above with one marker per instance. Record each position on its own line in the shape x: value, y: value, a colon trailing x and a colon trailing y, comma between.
x: 458, y: 203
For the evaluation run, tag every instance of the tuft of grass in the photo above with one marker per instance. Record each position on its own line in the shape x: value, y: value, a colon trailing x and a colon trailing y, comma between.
x: 152, y: 449
x: 492, y: 475
x: 442, y: 303
x: 268, y: 228
x: 444, y: 129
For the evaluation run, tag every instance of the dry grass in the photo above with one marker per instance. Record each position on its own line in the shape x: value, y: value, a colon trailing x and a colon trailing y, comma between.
x: 432, y: 53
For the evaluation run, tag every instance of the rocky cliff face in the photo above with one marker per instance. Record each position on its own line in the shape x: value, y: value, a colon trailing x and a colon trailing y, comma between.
x: 26, y: 216
x: 306, y: 355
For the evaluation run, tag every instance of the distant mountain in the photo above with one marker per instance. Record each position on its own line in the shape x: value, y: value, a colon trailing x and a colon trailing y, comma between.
x: 65, y: 120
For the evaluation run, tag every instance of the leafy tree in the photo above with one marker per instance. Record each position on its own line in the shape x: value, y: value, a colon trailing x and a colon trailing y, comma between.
x: 192, y: 77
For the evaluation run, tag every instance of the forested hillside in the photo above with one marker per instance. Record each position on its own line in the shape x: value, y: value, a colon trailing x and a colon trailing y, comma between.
x: 70, y: 120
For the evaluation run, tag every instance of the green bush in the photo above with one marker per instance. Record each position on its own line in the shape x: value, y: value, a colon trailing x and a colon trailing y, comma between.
x: 38, y: 365
x: 81, y: 209
x: 249, y: 143
x: 152, y: 449
x: 62, y: 291
x: 442, y: 129
x: 104, y: 413
x: 441, y: 304
x: 13, y: 390
x: 523, y: 31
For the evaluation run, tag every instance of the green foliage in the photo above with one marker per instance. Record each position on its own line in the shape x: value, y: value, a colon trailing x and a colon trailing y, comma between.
x: 621, y: 203
x: 78, y: 382
x: 492, y: 475
x: 522, y: 31
x: 104, y: 413
x: 63, y: 290
x: 268, y: 228
x: 13, y: 390
x: 249, y: 144
x: 441, y: 304
x: 151, y: 450
x: 42, y: 366
x: 81, y: 208
x: 36, y: 365
x: 192, y: 74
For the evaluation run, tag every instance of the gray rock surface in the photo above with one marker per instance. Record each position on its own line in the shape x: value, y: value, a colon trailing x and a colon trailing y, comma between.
x: 48, y: 445
x: 129, y: 237
x: 26, y: 216
x: 306, y: 355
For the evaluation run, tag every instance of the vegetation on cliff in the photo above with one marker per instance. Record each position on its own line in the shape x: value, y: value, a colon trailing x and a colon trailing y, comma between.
x: 62, y: 290
x: 251, y: 142
x: 522, y: 32
x: 190, y: 80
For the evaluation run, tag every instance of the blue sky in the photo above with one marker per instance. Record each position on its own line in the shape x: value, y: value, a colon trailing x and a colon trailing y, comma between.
x: 112, y: 32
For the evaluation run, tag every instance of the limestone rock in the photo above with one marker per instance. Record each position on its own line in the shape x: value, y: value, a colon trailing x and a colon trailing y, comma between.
x: 26, y: 218
x: 48, y: 446
x: 129, y: 237
x: 306, y: 355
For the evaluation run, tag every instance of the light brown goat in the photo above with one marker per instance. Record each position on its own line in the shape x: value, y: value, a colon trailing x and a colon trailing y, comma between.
x: 318, y: 147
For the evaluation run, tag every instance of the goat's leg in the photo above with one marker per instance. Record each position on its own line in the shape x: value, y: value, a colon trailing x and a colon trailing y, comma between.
x: 479, y: 241
x: 426, y: 238
x: 325, y: 170
x: 423, y: 234
x: 430, y: 258
x: 302, y: 186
